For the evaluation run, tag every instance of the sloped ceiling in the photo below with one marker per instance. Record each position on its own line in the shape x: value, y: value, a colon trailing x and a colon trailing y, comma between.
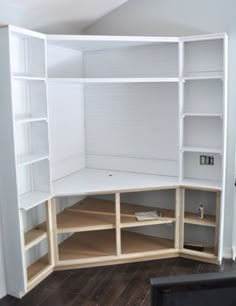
x: 55, y: 16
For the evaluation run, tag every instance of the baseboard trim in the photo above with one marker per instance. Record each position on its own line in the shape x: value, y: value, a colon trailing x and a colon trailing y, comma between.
x: 228, y: 253
x: 234, y: 252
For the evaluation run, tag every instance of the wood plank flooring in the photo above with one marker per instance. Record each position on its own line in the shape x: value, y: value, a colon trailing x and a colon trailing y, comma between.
x: 120, y: 285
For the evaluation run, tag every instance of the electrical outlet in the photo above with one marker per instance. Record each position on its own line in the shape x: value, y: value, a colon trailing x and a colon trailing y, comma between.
x: 211, y: 160
x: 202, y: 159
x: 206, y: 160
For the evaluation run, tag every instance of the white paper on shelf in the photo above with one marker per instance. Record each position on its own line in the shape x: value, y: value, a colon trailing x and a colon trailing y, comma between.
x: 147, y: 215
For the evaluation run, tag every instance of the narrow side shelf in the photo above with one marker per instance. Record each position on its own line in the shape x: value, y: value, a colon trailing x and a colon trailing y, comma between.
x: 27, y: 119
x: 32, y: 199
x: 37, y: 268
x: 28, y: 159
x: 192, y: 218
x: 35, y: 235
x: 217, y: 115
x: 202, y: 150
x: 207, y: 255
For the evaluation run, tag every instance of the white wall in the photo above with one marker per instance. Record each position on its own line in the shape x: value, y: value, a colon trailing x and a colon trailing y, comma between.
x: 184, y: 17
x: 2, y: 272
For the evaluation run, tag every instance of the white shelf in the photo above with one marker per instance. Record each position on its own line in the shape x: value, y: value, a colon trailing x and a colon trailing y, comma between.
x: 30, y: 159
x: 32, y: 199
x: 201, y: 150
x: 93, y: 181
x: 204, y: 184
x: 203, y: 77
x: 115, y: 80
x: 28, y: 78
x: 217, y: 115
x: 25, y: 119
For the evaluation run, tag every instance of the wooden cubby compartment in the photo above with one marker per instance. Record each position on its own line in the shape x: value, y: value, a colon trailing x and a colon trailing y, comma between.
x: 28, y: 55
x: 162, y: 201
x: 195, y: 198
x: 36, y: 262
x: 148, y: 239
x: 90, y: 214
x: 35, y: 225
x: 201, y: 235
x: 90, y: 244
x: 200, y: 241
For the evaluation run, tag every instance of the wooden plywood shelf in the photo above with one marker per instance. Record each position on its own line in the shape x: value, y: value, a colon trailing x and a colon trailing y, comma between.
x: 103, y: 243
x: 192, y: 218
x: 69, y: 221
x: 35, y: 235
x: 134, y: 242
x: 102, y: 213
x: 128, y: 218
x: 88, y: 245
x: 37, y: 267
x: 208, y: 253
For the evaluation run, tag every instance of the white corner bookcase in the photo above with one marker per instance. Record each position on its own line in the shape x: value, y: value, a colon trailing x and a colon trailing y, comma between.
x: 97, y: 128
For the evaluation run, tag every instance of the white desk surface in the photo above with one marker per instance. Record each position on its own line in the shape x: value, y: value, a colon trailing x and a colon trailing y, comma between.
x: 94, y: 181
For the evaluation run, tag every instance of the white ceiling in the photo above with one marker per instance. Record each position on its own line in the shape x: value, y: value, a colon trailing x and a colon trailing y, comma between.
x: 55, y: 16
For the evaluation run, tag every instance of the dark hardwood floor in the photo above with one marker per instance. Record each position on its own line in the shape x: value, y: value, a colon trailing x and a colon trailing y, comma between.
x: 120, y: 285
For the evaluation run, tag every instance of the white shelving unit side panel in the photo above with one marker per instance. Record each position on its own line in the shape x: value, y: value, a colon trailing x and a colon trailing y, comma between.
x: 224, y: 146
x: 12, y: 228
x: 221, y: 63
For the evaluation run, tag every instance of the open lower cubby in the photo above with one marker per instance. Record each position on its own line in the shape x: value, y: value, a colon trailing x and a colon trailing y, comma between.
x: 86, y: 215
x: 31, y: 142
x: 200, y: 240
x: 36, y: 262
x: 139, y: 60
x: 148, y: 239
x: 203, y: 58
x: 99, y: 213
x: 203, y: 97
x: 162, y: 202
x: 28, y: 55
x: 88, y: 245
x: 207, y: 200
x: 193, y: 169
x: 29, y: 100
x: 35, y: 225
x: 33, y: 183
x: 204, y: 133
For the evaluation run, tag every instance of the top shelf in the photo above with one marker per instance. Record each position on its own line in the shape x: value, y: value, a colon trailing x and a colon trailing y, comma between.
x: 27, y: 78
x: 92, y: 43
x: 115, y: 80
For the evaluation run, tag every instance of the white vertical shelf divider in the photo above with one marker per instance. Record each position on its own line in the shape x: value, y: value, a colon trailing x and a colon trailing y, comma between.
x: 224, y: 146
x: 181, y: 106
